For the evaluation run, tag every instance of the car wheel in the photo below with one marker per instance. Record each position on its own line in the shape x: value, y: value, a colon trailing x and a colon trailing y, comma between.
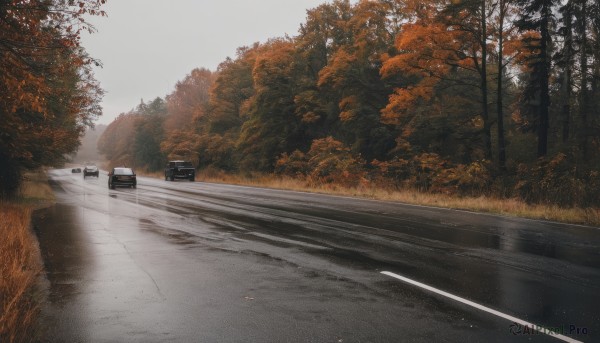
x: 192, y: 179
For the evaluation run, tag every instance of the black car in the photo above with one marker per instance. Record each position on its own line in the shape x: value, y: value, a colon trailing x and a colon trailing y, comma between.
x: 90, y: 171
x: 76, y: 170
x: 122, y: 176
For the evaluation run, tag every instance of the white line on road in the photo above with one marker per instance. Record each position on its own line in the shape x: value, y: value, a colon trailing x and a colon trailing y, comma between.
x: 483, y: 308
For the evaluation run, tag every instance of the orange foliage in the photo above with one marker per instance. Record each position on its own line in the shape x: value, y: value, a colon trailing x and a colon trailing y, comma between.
x: 189, y: 100
x: 335, y: 72
x: 181, y: 144
x: 428, y: 51
x: 403, y: 100
x: 349, y: 107
x: 274, y: 59
x: 523, y: 50
x: 48, y: 94
x: 117, y: 141
x: 232, y: 87
x: 327, y: 161
x: 430, y: 172
x: 294, y: 164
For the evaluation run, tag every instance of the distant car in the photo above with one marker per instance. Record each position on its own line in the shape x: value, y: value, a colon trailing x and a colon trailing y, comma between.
x: 180, y: 170
x: 76, y: 170
x: 90, y: 171
x: 121, y: 176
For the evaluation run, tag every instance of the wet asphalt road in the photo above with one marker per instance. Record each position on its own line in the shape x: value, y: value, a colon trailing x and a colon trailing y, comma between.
x: 200, y: 262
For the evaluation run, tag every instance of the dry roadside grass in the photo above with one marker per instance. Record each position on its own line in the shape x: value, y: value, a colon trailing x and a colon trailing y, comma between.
x: 21, y: 262
x: 36, y: 191
x: 19, y: 269
x: 508, y: 207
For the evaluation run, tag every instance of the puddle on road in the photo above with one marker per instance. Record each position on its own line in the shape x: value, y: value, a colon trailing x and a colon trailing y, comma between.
x: 65, y: 257
x: 67, y: 262
x: 175, y: 236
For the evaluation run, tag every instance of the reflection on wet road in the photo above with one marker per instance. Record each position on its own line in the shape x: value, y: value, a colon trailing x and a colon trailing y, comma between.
x: 181, y: 261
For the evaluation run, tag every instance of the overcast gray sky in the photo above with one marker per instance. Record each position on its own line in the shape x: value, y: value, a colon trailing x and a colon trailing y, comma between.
x: 146, y: 46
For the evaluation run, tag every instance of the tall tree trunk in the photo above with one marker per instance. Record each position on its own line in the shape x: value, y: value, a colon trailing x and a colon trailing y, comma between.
x: 487, y: 127
x: 566, y: 87
x: 595, y: 107
x: 544, y: 80
x: 499, y: 102
x: 583, y: 95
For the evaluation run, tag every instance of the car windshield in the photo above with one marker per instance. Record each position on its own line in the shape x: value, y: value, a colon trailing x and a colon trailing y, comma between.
x: 183, y: 164
x: 91, y: 167
x: 123, y: 171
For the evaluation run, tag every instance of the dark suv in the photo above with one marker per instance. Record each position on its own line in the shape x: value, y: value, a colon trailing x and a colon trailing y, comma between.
x: 180, y: 170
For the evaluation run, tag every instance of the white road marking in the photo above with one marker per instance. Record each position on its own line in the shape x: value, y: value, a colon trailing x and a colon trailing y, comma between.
x: 481, y: 307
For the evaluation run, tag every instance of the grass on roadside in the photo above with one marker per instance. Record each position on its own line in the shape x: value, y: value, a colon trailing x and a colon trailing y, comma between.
x: 35, y: 190
x: 508, y: 207
x: 21, y: 263
x: 19, y: 269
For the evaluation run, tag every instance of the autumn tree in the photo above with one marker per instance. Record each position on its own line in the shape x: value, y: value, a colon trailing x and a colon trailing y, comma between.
x: 352, y: 78
x: 134, y: 139
x: 117, y: 141
x: 48, y: 91
x: 217, y: 133
x: 211, y: 108
x: 439, y: 56
x: 272, y: 126
x: 229, y: 94
x: 186, y: 118
x: 323, y: 34
x: 149, y: 134
x: 189, y: 100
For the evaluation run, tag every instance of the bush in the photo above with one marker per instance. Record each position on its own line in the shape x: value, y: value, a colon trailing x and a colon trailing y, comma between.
x: 429, y: 172
x: 327, y: 162
x: 558, y: 180
x: 294, y: 165
x: 474, y: 178
x: 394, y: 172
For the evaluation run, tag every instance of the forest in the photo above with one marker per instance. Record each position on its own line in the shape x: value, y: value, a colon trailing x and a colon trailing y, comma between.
x: 460, y: 97
x: 48, y: 94
x: 463, y: 97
